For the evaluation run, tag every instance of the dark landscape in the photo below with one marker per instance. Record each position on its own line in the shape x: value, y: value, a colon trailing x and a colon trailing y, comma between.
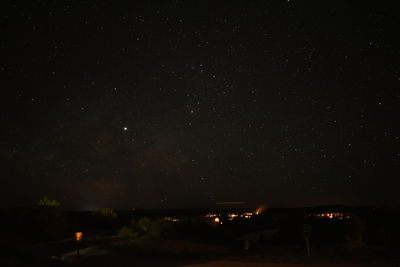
x: 336, y: 235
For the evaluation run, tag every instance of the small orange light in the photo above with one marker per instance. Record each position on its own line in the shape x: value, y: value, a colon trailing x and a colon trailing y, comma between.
x: 217, y: 220
x: 78, y: 236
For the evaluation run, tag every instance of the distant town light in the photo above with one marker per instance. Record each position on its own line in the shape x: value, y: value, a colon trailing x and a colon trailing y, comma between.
x: 232, y: 216
x: 171, y: 219
x: 332, y: 215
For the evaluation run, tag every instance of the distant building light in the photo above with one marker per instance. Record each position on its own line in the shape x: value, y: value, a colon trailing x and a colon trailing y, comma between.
x: 78, y: 236
x: 331, y: 215
x: 171, y: 219
x: 247, y: 215
x: 211, y: 215
x: 232, y: 216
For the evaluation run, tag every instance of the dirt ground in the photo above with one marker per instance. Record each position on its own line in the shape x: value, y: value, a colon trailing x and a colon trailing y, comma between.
x: 254, y: 264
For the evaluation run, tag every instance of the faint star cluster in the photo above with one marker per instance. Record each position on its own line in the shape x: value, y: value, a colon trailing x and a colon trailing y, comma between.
x: 184, y: 104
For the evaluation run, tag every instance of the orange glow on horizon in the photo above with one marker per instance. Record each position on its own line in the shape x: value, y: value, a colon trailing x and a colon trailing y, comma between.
x: 261, y: 209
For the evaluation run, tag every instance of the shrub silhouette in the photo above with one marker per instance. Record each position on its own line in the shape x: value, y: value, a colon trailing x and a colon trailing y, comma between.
x: 106, y: 213
x: 127, y: 233
x: 46, y: 202
x: 149, y: 227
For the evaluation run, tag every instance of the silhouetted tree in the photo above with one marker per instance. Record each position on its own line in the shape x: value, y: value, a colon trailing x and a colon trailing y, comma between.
x: 106, y: 220
x: 356, y: 229
x: 106, y: 213
x: 50, y: 220
x: 46, y: 202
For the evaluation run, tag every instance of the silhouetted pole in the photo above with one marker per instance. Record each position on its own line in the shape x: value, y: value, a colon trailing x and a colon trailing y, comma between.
x: 308, y: 246
x: 307, y: 234
x: 246, y: 244
x: 78, y: 239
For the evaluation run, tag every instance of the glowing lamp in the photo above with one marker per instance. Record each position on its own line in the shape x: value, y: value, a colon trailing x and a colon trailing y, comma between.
x: 78, y: 236
x: 216, y: 219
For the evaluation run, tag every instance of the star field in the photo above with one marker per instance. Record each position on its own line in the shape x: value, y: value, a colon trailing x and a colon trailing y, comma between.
x: 179, y: 104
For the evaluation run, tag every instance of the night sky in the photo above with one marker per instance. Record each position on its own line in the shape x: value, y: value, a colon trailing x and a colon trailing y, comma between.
x: 182, y: 104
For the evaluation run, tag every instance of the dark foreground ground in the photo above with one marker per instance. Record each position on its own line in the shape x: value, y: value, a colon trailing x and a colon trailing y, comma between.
x: 44, y: 237
x: 244, y: 264
x: 158, y: 252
